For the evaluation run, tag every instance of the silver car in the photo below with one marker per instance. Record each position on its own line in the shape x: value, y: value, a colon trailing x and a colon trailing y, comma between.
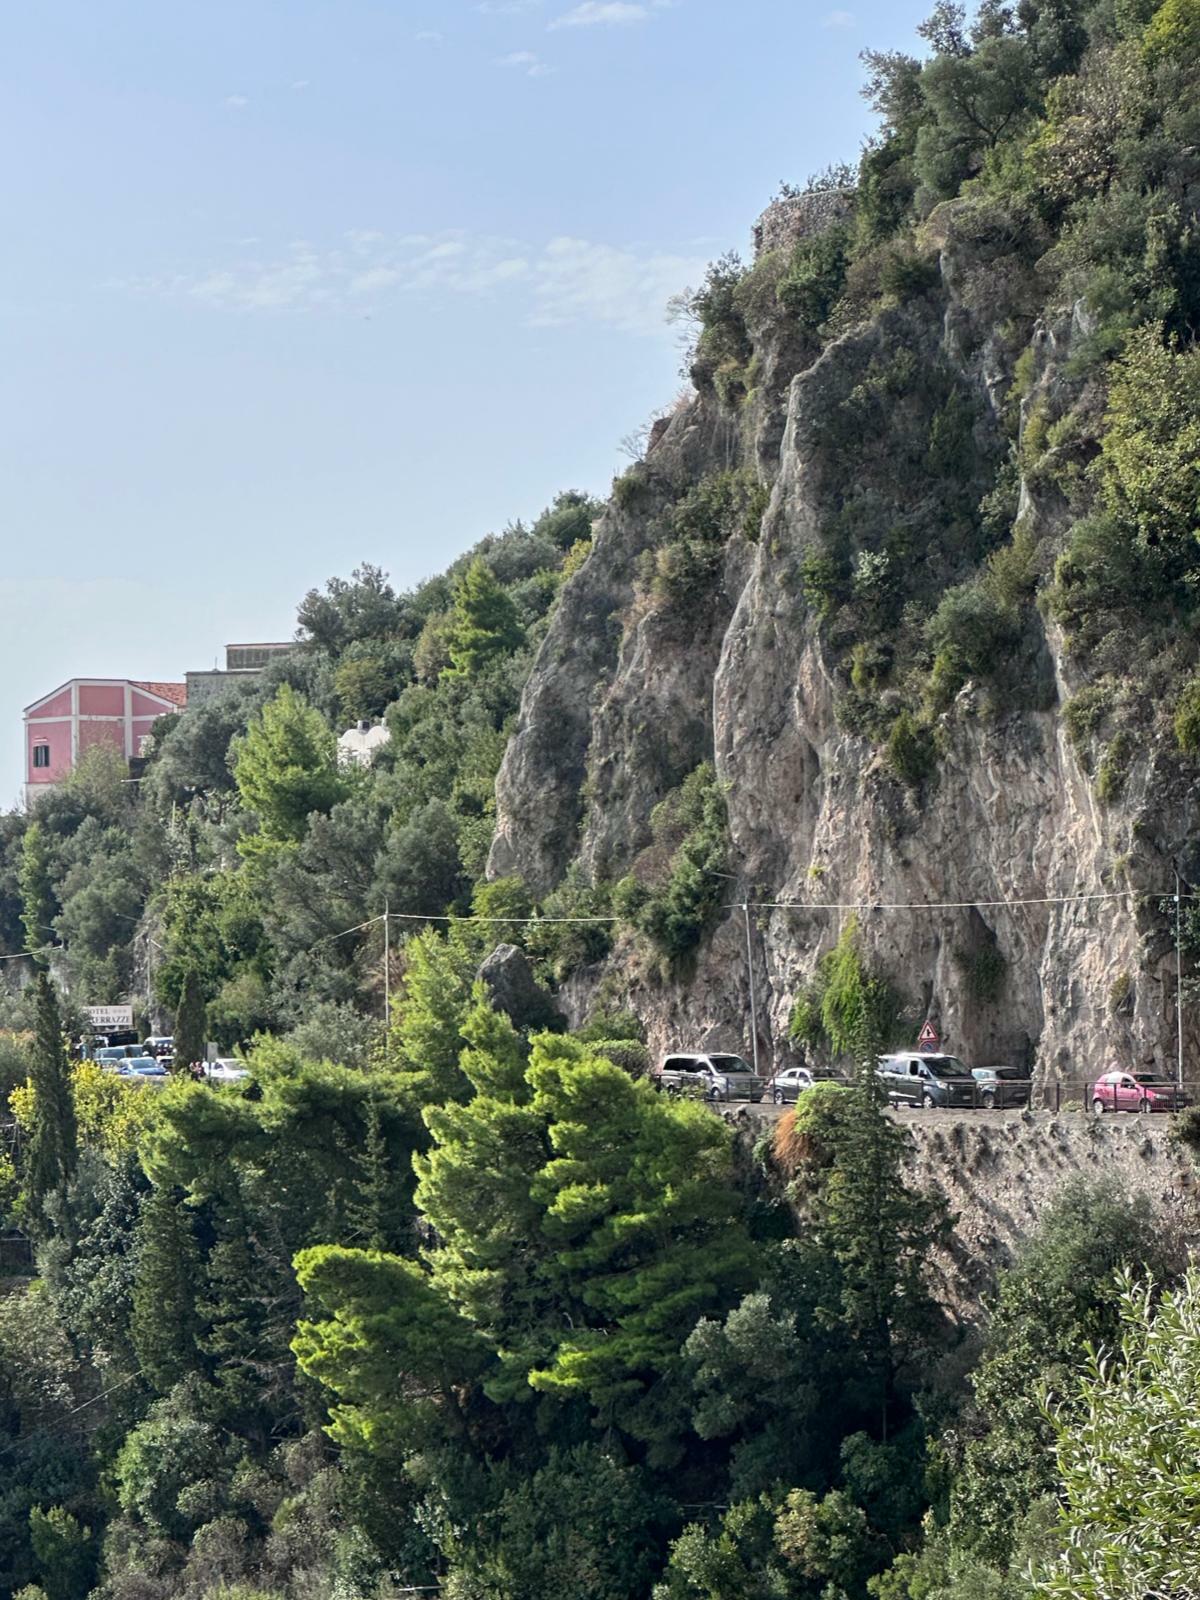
x: 710, y: 1076
x: 787, y: 1086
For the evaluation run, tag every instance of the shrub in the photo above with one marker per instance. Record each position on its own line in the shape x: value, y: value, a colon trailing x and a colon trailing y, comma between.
x: 815, y: 277
x: 1085, y: 714
x: 676, y: 913
x: 561, y: 948
x: 1114, y: 768
x: 971, y: 629
x: 822, y: 581
x: 1187, y: 718
x: 804, y: 1024
x: 631, y: 1055
x: 911, y: 750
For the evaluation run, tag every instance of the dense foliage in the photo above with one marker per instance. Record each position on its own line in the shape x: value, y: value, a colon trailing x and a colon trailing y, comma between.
x: 444, y: 1298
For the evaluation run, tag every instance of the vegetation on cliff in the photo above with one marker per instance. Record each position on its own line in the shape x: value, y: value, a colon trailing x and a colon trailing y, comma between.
x: 436, y: 1300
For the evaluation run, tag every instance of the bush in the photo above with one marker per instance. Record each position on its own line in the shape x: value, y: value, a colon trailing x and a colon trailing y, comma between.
x: 675, y: 913
x: 1187, y: 718
x: 631, y: 1055
x: 911, y: 750
x: 971, y: 629
x: 1084, y: 715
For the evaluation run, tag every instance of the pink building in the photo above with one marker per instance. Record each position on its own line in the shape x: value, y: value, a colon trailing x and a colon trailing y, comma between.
x: 88, y: 711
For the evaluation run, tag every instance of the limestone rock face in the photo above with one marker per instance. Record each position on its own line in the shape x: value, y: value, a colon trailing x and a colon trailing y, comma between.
x: 514, y: 990
x: 628, y: 696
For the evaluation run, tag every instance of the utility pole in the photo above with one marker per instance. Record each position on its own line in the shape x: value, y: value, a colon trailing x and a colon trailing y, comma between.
x: 750, y: 974
x: 387, y: 966
x: 1178, y: 982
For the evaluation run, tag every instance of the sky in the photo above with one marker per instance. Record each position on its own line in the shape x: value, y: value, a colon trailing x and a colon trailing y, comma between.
x: 291, y: 285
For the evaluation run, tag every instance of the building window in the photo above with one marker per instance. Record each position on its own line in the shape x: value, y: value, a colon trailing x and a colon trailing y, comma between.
x: 41, y: 755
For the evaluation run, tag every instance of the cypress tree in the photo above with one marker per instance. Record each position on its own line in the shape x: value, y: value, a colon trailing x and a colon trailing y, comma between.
x: 52, y: 1150
x: 191, y: 1022
x: 163, y: 1325
x: 37, y: 891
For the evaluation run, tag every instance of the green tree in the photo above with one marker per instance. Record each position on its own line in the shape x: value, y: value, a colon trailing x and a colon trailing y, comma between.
x: 52, y: 1151
x: 64, y: 1552
x: 286, y: 766
x: 38, y: 904
x: 1126, y: 1455
x: 191, y: 1021
x: 1061, y: 1296
x: 1151, y: 451
x: 426, y: 1037
x: 485, y: 624
x: 163, y: 1323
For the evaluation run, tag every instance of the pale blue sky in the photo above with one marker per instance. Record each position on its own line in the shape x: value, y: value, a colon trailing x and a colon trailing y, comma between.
x: 288, y: 286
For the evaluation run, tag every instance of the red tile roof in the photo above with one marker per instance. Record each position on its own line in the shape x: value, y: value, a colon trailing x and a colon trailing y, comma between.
x: 165, y: 691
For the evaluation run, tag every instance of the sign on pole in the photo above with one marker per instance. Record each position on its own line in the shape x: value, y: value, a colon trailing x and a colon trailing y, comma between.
x: 928, y: 1038
x: 109, y: 1019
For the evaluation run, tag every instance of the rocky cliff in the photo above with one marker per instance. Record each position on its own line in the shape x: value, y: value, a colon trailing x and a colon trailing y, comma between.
x: 887, y: 464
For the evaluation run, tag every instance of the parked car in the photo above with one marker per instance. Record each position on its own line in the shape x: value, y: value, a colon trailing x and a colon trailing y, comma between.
x: 109, y: 1054
x: 787, y: 1086
x: 142, y: 1067
x: 1119, y: 1090
x: 926, y: 1080
x: 1001, y: 1087
x: 226, y: 1069
x: 159, y: 1044
x: 716, y: 1077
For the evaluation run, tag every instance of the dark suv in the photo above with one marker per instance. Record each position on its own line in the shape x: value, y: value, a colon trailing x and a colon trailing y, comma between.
x: 911, y: 1079
x: 1002, y: 1087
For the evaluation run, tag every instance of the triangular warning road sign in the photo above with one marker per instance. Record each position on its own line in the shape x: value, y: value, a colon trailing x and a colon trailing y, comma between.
x: 929, y: 1038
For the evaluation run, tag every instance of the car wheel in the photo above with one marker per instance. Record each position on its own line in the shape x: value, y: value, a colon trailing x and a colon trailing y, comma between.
x: 988, y: 1101
x: 1144, y: 1107
x: 1098, y: 1107
x: 778, y: 1097
x: 715, y: 1094
x: 928, y: 1101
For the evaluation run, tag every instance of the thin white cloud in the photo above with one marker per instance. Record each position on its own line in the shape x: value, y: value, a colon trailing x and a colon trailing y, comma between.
x: 840, y: 19
x: 429, y: 36
x: 601, y: 14
x: 564, y: 282
x: 301, y: 83
x: 236, y: 102
x: 530, y: 64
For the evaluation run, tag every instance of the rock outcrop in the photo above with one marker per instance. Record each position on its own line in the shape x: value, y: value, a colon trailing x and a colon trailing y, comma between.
x: 628, y: 695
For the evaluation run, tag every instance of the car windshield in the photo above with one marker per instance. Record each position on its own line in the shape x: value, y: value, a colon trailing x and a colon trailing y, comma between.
x: 729, y: 1064
x: 946, y: 1067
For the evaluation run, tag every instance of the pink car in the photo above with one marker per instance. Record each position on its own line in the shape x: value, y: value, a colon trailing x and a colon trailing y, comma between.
x: 1136, y: 1091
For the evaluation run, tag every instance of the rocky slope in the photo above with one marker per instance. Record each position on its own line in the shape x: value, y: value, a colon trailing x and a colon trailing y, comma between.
x: 630, y: 694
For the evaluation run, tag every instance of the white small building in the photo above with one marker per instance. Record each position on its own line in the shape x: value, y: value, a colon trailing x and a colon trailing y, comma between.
x: 357, y: 746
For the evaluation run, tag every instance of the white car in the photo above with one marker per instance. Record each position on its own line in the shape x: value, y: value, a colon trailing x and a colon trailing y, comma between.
x: 226, y: 1069
x: 787, y: 1086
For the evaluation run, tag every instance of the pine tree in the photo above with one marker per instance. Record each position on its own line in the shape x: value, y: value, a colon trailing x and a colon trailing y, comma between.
x: 163, y: 1326
x: 879, y: 1232
x: 485, y: 622
x: 368, y: 1212
x: 191, y: 1021
x: 286, y: 767
x: 37, y: 892
x: 52, y: 1151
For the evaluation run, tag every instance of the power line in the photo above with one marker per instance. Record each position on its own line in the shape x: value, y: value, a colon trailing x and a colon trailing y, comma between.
x: 956, y: 905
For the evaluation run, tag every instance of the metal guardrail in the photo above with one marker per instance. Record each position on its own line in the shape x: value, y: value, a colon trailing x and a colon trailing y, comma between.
x: 1065, y: 1095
